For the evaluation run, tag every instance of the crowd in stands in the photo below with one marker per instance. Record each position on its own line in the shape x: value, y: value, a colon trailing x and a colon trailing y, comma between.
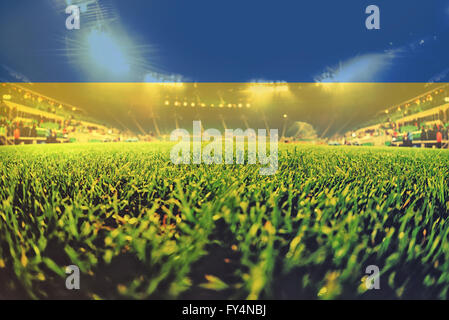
x: 50, y: 125
x: 29, y: 127
x: 420, y: 122
x: 408, y: 134
x: 419, y: 104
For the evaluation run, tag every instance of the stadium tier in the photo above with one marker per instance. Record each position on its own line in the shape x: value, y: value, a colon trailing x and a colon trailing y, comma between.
x: 419, y: 122
x: 27, y: 117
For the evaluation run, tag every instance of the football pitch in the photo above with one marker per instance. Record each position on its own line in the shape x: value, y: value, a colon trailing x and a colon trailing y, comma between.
x: 139, y: 227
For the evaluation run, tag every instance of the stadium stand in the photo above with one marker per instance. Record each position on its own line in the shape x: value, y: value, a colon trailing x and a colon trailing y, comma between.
x: 419, y: 122
x: 26, y: 117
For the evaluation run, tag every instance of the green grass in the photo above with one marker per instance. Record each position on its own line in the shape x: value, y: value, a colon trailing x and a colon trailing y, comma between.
x: 140, y: 227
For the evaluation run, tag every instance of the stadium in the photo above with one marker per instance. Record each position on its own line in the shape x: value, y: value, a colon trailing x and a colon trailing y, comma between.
x: 92, y: 205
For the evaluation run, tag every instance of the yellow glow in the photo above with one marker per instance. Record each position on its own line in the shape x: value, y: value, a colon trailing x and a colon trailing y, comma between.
x: 178, y: 85
x: 268, y: 88
x: 155, y: 97
x: 264, y: 93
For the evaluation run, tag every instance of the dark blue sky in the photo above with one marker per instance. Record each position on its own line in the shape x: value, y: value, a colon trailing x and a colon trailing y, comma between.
x: 232, y: 40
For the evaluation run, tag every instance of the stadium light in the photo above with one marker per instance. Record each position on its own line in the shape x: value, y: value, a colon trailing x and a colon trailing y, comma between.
x: 106, y: 52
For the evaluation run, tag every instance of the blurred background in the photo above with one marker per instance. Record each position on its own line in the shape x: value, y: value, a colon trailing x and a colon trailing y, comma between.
x: 137, y: 71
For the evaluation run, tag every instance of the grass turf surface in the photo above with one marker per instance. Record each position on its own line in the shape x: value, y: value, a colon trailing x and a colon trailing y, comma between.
x: 140, y: 227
